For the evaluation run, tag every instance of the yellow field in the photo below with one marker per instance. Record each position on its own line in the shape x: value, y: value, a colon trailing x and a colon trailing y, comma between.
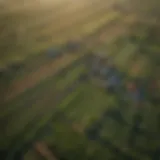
x: 42, y: 25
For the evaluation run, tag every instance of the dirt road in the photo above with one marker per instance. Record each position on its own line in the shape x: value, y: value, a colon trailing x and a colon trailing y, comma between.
x: 44, y: 151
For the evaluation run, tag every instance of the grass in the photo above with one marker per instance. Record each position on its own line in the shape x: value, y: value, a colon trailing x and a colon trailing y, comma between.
x: 90, y: 98
x: 63, y: 82
x: 122, y: 59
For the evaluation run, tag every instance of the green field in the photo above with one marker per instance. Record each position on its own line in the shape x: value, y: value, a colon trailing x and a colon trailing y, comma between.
x: 40, y: 62
x: 84, y: 107
x: 56, y: 106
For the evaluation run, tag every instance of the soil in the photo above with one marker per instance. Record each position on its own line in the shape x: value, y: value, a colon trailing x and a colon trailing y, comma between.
x: 135, y: 70
x: 111, y: 33
x: 77, y: 128
x: 44, y: 151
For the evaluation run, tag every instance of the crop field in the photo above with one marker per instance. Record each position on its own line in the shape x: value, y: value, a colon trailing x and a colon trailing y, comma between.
x: 86, y: 107
x: 57, y: 102
x: 41, y: 62
x: 24, y: 108
x: 39, y: 29
x: 90, y: 106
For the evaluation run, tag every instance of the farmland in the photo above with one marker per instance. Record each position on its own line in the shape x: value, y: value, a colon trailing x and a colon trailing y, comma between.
x: 54, y: 102
x: 85, y: 109
x: 45, y: 23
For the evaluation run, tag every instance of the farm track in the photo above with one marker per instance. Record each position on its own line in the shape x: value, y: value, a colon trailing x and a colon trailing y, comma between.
x: 44, y: 151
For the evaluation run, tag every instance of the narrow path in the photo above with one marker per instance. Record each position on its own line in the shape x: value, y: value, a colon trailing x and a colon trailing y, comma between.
x: 44, y: 151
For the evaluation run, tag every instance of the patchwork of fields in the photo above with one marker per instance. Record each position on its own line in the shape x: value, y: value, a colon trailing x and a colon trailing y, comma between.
x: 40, y: 27
x: 54, y: 101
x: 87, y: 107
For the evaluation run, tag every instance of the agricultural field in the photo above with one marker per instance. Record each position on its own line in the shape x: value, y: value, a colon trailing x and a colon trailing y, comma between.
x: 38, y: 29
x: 57, y: 102
x: 41, y: 62
x: 91, y: 106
